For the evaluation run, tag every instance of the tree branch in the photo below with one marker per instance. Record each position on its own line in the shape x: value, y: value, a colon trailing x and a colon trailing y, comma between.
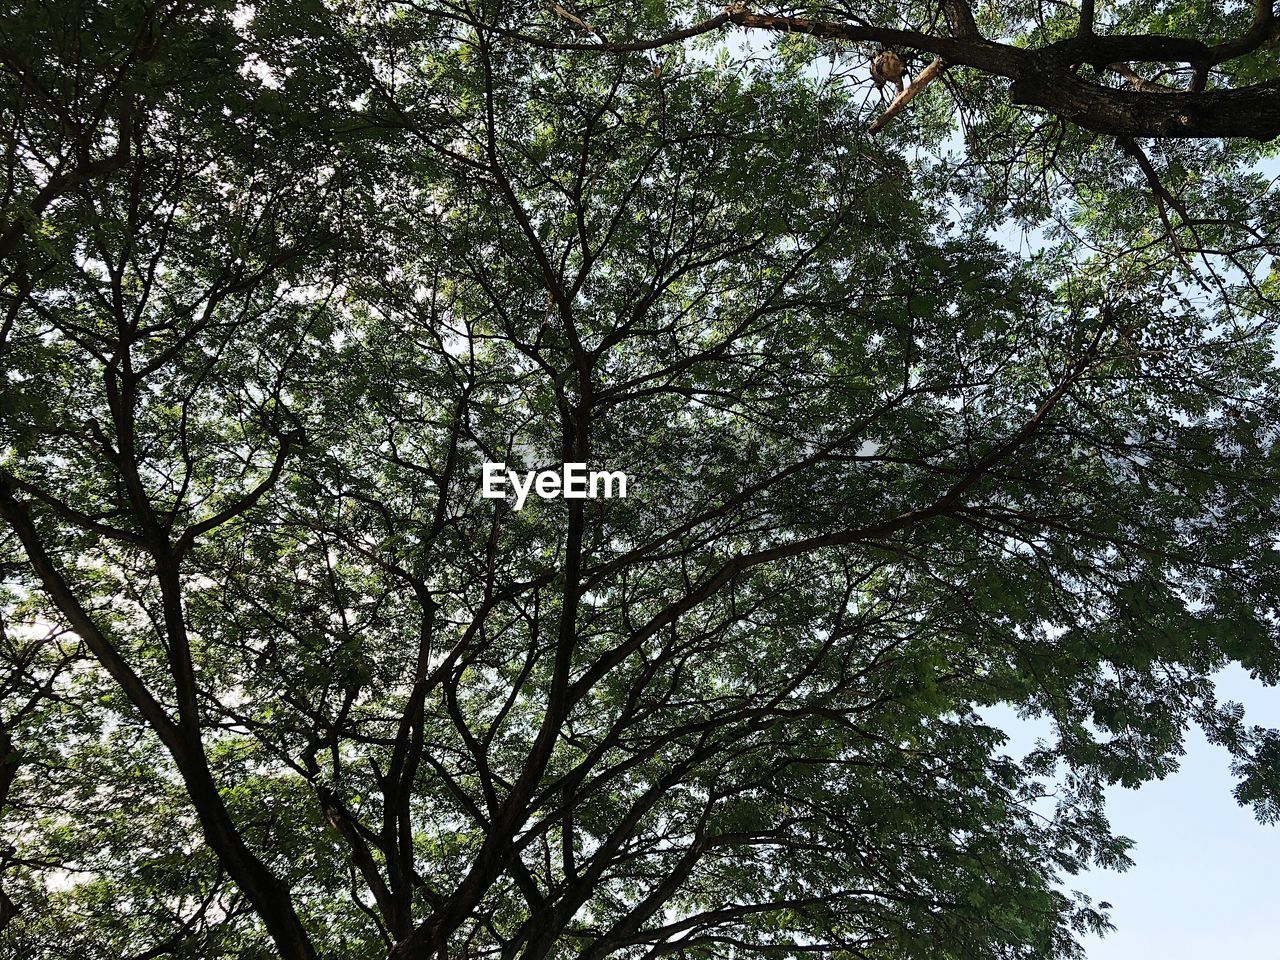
x: 926, y: 77
x: 1042, y: 77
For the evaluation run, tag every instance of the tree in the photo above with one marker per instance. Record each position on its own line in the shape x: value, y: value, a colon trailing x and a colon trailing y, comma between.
x: 283, y: 685
x: 1053, y: 100
x: 1043, y: 49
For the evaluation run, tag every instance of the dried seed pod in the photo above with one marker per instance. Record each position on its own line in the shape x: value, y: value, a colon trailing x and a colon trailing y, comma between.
x: 887, y: 67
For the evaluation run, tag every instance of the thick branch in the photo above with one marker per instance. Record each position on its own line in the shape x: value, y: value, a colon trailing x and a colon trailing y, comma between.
x: 1045, y: 78
x: 960, y: 17
x: 1086, y: 18
x: 1252, y: 112
x: 1264, y: 29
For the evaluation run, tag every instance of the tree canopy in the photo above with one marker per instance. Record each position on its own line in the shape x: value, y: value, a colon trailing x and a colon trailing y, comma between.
x: 971, y: 407
x: 1069, y: 61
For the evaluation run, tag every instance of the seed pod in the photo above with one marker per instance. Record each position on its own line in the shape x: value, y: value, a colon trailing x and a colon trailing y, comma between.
x: 887, y: 67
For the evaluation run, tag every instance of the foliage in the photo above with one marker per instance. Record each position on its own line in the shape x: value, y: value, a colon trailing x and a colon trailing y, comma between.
x: 278, y: 280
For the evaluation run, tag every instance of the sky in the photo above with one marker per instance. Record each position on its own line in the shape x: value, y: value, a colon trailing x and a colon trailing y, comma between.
x: 1206, y: 876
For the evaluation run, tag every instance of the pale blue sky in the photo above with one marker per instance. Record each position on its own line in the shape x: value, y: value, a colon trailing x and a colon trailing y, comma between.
x: 1204, y: 884
x: 1205, y: 878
